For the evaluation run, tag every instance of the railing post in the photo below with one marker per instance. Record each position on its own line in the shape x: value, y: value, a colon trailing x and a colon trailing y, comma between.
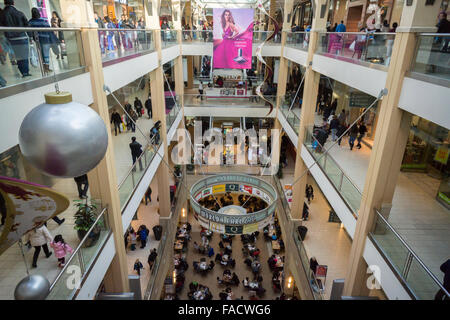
x: 81, y: 260
x: 340, y: 182
x: 408, y: 263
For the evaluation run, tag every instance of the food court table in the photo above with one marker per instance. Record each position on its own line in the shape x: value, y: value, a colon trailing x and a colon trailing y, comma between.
x: 275, y: 245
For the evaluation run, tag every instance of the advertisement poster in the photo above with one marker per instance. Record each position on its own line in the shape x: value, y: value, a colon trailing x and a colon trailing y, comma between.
x: 233, y: 36
x: 219, y: 188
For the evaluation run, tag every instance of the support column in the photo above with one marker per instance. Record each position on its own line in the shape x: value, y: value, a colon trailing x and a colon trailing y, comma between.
x: 159, y: 114
x: 311, y: 88
x: 389, y: 144
x: 190, y: 71
x: 103, y: 179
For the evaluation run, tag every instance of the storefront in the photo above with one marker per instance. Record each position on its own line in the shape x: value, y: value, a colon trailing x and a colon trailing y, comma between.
x: 303, y: 14
x: 114, y: 9
x: 427, y: 151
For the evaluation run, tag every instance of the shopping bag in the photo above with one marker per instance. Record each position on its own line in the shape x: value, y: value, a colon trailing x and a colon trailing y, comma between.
x: 63, y: 48
x: 352, y: 46
x: 123, y: 127
x: 142, y: 111
x: 34, y: 59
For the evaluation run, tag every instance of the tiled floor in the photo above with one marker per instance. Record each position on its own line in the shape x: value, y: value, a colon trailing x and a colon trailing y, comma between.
x: 416, y: 215
x: 326, y: 241
x: 242, y: 271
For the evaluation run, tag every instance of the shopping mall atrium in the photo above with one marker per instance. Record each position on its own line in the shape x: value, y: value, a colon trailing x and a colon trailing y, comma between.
x: 224, y: 150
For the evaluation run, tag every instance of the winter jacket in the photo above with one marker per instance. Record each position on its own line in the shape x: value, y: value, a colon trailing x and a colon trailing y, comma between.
x: 138, y: 265
x: 61, y: 249
x: 143, y: 234
x: 39, y: 236
x: 445, y: 268
x: 44, y: 37
x: 12, y: 17
x: 115, y: 117
x: 334, y: 124
x: 136, y: 148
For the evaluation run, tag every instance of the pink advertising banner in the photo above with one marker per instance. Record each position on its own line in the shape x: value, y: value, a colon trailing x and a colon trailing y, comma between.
x: 233, y: 36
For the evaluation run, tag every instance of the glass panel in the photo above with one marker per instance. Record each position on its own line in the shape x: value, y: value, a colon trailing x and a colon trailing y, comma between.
x: 65, y: 288
x: 432, y: 56
x: 351, y: 194
x: 299, y: 40
x: 390, y: 245
x: 371, y: 47
x: 420, y: 281
x: 94, y: 242
x: 116, y: 44
x: 38, y: 55
x: 125, y: 189
x: 333, y: 172
x: 197, y: 36
x: 168, y: 38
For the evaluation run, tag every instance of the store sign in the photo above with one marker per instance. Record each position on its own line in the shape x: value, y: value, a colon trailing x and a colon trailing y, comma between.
x: 441, y: 155
x: 360, y: 100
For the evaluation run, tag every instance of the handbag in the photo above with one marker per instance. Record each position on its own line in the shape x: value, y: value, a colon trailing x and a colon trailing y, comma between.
x: 352, y: 46
x: 34, y: 59
x: 63, y: 48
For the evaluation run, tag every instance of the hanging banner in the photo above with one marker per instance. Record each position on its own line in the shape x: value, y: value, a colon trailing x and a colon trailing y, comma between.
x: 24, y: 207
x: 233, y: 37
x: 250, y: 228
x: 219, y: 188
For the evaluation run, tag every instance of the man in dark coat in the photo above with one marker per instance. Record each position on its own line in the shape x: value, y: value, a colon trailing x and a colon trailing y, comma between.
x: 136, y: 151
x: 117, y: 120
x: 138, y: 106
x: 12, y: 17
x: 148, y: 106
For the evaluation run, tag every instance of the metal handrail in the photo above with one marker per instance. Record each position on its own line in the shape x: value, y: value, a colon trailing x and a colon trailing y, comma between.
x: 7, y: 29
x: 411, y: 251
x: 75, y: 252
x: 140, y: 157
x: 337, y: 164
x: 434, y: 34
x: 362, y: 33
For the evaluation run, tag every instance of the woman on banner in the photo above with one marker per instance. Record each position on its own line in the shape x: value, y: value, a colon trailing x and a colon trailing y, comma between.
x: 225, y: 52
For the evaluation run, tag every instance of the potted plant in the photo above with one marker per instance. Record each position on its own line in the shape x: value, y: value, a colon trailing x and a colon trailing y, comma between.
x: 84, y: 219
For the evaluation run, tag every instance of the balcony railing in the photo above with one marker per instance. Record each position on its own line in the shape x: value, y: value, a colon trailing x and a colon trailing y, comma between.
x: 190, y: 36
x: 168, y: 38
x: 135, y: 174
x: 414, y: 274
x: 432, y: 57
x: 166, y: 239
x: 342, y: 183
x: 116, y: 44
x: 260, y: 36
x: 81, y: 260
x: 172, y: 115
x: 299, y: 40
x: 223, y: 100
x: 288, y: 113
x: 355, y: 47
x: 30, y: 54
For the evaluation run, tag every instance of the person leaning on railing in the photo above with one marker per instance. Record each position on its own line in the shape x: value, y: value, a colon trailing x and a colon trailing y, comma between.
x: 11, y: 17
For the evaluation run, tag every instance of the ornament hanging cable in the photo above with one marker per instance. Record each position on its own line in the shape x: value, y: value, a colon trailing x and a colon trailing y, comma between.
x: 269, y: 72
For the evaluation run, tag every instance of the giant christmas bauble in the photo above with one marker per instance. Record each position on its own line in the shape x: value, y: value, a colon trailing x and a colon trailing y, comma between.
x: 34, y: 287
x: 63, y: 138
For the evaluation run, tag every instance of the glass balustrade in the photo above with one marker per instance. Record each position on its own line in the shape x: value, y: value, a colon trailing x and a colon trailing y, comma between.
x: 433, y: 55
x: 346, y: 188
x: 289, y: 114
x: 137, y: 171
x: 412, y: 271
x: 168, y: 38
x: 120, y: 43
x: 64, y: 287
x: 29, y: 54
x: 352, y: 47
x: 226, y: 98
x: 261, y: 36
x: 298, y: 40
x: 316, y: 289
x: 172, y: 115
x: 192, y: 36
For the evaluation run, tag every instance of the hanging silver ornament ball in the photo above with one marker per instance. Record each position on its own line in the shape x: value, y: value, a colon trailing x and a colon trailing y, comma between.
x: 34, y: 287
x: 63, y: 138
